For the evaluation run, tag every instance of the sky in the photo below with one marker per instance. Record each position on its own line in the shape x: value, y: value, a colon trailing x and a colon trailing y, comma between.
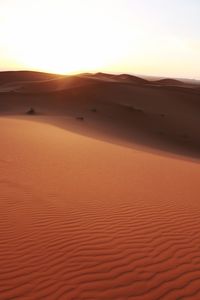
x: 149, y: 37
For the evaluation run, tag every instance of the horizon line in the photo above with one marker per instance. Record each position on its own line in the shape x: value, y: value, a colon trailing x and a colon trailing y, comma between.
x: 103, y: 72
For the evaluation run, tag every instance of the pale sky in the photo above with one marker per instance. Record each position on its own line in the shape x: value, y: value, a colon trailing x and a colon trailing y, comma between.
x: 150, y: 37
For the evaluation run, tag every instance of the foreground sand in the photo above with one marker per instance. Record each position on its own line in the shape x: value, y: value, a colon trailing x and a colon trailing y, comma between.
x: 84, y: 219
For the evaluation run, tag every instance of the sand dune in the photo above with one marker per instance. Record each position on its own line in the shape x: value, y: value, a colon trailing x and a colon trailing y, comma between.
x: 169, y: 81
x: 119, y: 78
x: 164, y: 118
x: 131, y: 78
x: 53, y: 85
x: 84, y: 219
x: 10, y: 76
x: 41, y: 84
x: 99, y: 189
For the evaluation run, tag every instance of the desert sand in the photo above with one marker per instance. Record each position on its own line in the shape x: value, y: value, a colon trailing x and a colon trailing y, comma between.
x: 99, y: 189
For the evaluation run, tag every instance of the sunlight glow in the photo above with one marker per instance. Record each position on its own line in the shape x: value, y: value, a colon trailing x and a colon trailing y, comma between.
x: 65, y: 36
x: 71, y: 36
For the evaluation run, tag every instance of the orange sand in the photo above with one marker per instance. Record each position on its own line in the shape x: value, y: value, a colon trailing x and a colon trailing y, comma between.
x: 85, y: 219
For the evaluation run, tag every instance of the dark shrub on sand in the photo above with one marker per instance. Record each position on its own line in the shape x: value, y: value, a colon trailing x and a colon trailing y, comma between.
x: 80, y: 118
x: 31, y: 111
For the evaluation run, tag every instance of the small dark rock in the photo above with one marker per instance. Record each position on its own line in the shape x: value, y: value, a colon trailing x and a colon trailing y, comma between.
x: 130, y: 107
x: 161, y: 133
x: 184, y: 136
x: 139, y: 110
x: 80, y: 118
x: 94, y: 110
x: 135, y: 109
x: 31, y: 111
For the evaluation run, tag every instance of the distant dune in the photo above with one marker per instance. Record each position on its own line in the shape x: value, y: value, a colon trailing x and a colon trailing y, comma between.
x: 168, y: 81
x: 104, y: 76
x: 53, y: 85
x: 12, y: 76
x: 99, y: 188
x: 122, y: 77
x: 131, y: 79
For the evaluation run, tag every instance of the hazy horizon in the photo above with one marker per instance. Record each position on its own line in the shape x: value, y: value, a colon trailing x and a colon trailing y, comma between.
x: 122, y: 36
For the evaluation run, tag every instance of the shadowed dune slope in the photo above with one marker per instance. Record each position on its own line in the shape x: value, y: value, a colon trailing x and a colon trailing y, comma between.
x: 159, y: 117
x: 13, y: 76
x: 169, y: 81
x: 122, y: 77
x: 131, y: 79
x: 84, y: 219
x: 53, y: 85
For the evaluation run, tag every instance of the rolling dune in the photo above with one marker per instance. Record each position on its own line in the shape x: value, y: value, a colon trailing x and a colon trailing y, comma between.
x: 99, y: 188
x: 169, y: 82
x: 85, y: 219
x: 161, y: 118
x: 19, y: 76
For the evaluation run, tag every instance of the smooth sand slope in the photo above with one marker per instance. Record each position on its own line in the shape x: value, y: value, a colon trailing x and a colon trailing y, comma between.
x: 85, y: 219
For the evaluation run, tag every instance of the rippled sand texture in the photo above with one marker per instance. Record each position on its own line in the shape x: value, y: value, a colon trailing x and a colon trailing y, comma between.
x: 84, y: 219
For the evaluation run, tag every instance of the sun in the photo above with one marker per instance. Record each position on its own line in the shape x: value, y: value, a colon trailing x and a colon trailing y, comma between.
x: 65, y: 36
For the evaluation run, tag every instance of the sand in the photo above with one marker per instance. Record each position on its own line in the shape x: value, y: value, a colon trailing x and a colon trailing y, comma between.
x: 83, y: 217
x: 161, y: 118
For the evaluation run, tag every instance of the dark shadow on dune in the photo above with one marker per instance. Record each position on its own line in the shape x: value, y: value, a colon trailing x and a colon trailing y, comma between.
x: 159, y: 142
x: 162, y: 119
x: 160, y: 145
